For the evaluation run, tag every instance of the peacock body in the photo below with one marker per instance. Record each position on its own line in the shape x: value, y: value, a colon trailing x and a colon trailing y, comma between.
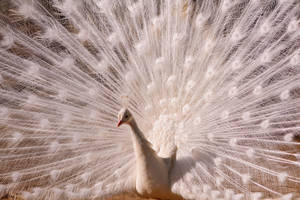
x: 213, y: 84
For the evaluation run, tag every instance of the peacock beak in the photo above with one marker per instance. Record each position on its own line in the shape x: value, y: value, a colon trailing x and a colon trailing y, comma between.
x: 119, y: 123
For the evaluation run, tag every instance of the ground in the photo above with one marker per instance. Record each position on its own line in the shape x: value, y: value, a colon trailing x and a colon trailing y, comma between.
x: 119, y: 197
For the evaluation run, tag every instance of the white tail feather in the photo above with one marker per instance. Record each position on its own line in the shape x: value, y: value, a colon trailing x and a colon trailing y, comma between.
x: 218, y: 80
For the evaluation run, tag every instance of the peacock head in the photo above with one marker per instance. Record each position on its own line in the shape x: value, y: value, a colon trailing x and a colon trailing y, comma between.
x: 124, y: 117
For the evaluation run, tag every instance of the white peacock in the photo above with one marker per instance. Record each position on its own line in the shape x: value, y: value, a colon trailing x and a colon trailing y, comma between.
x: 213, y: 99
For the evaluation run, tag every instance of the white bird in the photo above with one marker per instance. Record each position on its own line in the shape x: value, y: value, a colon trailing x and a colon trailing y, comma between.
x: 152, y: 171
x: 213, y: 90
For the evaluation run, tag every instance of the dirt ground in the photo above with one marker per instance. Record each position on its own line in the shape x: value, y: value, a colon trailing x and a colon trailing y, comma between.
x: 118, y: 197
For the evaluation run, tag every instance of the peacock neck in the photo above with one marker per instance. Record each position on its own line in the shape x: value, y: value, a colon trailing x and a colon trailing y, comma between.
x: 141, y: 144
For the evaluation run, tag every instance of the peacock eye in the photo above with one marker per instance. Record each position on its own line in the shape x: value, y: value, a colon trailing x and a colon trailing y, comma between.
x: 126, y: 116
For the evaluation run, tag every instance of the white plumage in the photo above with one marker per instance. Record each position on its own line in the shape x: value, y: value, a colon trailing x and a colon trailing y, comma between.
x: 214, y: 85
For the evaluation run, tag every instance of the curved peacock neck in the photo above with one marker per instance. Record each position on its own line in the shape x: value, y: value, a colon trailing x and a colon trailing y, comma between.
x: 141, y: 144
